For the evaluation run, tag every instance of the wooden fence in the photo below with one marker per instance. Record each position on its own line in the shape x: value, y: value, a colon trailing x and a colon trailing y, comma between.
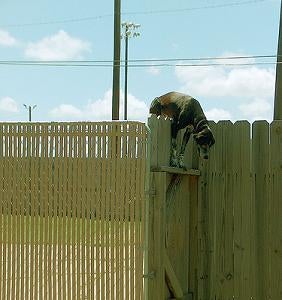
x: 240, y: 213
x: 72, y: 210
x: 225, y: 240
x: 75, y: 224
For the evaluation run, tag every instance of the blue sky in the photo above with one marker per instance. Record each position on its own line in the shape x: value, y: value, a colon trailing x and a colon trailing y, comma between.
x: 83, y: 30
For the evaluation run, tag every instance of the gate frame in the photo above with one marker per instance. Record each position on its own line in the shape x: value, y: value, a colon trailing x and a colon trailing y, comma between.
x: 162, y: 279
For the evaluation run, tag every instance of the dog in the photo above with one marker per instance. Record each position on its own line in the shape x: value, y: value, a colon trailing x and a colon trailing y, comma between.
x: 184, y: 111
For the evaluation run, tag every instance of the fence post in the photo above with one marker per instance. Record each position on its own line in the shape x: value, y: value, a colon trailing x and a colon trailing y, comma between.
x: 156, y: 239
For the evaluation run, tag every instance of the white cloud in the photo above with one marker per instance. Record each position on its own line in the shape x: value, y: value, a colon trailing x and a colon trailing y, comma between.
x: 8, y: 104
x: 136, y: 109
x: 225, y: 82
x: 217, y: 114
x: 154, y: 70
x: 60, y: 46
x: 244, y: 91
x: 66, y: 111
x: 6, y: 39
x: 258, y: 109
x: 101, y: 109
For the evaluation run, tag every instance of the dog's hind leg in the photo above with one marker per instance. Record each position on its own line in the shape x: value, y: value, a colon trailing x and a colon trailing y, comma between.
x: 173, y: 150
x: 185, y: 140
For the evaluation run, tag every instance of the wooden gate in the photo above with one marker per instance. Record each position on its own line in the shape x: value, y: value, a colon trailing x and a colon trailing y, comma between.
x: 172, y: 230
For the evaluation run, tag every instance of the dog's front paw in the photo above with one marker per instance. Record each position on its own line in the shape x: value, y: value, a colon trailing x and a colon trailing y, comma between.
x: 173, y: 162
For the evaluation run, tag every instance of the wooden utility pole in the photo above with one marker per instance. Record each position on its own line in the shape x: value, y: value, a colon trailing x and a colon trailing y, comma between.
x: 116, y: 66
x: 278, y: 83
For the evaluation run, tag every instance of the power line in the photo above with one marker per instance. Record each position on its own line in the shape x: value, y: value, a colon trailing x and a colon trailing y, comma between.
x: 72, y: 20
x: 135, y: 13
x: 181, y: 10
x: 137, y: 65
x: 139, y: 60
x: 204, y: 58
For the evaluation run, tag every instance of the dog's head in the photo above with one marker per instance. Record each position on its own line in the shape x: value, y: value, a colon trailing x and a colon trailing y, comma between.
x: 204, y: 140
x: 156, y: 107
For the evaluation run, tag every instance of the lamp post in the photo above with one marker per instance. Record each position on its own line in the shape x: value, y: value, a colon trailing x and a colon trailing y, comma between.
x: 29, y: 108
x: 130, y: 30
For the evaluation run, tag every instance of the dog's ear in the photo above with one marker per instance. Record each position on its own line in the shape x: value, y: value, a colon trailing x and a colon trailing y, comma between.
x: 212, y: 140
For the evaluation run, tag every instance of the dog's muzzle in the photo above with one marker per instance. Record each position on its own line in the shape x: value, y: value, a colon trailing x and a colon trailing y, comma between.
x: 204, y: 151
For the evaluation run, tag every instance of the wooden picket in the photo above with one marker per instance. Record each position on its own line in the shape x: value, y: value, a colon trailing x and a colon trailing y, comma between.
x: 72, y: 211
x: 275, y: 210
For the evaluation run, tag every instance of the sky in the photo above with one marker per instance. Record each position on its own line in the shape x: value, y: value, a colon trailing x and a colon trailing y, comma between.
x: 176, y: 38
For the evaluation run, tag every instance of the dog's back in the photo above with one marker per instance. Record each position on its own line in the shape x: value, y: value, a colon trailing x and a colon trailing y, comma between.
x: 184, y: 108
x: 173, y: 103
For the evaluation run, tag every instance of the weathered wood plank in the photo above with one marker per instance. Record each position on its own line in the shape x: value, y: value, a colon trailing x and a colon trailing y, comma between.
x: 207, y: 194
x: 173, y: 170
x: 223, y: 267
x: 242, y: 212
x: 172, y: 279
x: 164, y: 141
x: 275, y: 247
x: 177, y: 226
x: 193, y: 259
x: 156, y: 282
x: 260, y: 181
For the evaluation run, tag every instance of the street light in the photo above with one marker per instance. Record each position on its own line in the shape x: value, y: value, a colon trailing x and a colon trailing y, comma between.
x: 130, y: 30
x: 29, y: 108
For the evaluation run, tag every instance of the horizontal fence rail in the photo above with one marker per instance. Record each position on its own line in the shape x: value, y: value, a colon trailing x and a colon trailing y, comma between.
x: 72, y: 210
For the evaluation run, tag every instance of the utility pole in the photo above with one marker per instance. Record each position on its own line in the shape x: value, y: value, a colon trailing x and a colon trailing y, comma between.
x: 129, y: 31
x: 116, y: 66
x: 278, y: 83
x: 30, y: 109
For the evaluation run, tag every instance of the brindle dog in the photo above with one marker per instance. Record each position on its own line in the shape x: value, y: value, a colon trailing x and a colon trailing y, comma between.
x: 184, y: 111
